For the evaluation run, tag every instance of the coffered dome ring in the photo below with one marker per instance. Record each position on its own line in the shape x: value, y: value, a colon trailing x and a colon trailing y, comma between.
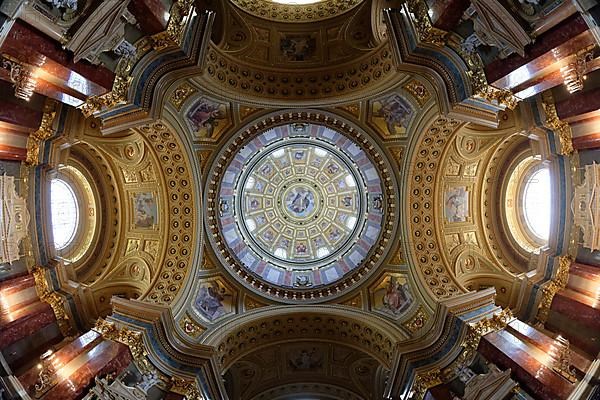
x: 301, y: 206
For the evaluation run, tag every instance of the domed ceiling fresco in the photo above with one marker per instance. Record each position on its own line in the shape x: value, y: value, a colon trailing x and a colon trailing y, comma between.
x: 297, y: 193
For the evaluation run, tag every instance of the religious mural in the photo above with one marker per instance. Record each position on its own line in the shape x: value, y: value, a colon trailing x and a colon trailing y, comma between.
x: 206, y: 118
x: 213, y: 301
x: 456, y: 204
x: 392, y: 115
x: 145, y: 210
x: 298, y: 47
x: 305, y: 359
x: 392, y: 296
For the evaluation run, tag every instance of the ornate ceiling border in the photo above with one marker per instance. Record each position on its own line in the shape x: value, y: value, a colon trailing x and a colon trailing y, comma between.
x: 351, y: 279
x: 296, y: 12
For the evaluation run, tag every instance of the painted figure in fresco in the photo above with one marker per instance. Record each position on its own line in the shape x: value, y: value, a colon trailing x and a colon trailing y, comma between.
x: 145, y: 210
x: 397, y: 113
x: 395, y: 296
x: 456, y: 206
x: 333, y: 168
x: 210, y: 301
x: 301, y: 248
x: 347, y: 201
x: 306, y: 360
x: 204, y: 117
x: 300, y: 201
x: 297, y: 48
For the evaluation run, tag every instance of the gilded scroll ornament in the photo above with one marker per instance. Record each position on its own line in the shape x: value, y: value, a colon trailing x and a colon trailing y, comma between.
x: 418, y: 321
x: 129, y: 338
x: 56, y: 302
x: 554, y: 286
x: 181, y: 94
x: 565, y: 135
x: 425, y: 29
x: 187, y: 388
x: 44, y: 132
x: 173, y: 35
x: 424, y: 381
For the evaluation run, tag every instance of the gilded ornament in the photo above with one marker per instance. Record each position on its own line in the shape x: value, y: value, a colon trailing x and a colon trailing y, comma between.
x: 181, y: 94
x: 417, y: 321
x: 552, y: 287
x: 355, y: 302
x: 129, y: 338
x: 191, y: 327
x: 420, y: 17
x: 189, y: 389
x: 418, y: 91
x: 44, y: 132
x: 53, y: 299
x: 565, y: 134
x: 173, y: 35
x: 424, y: 381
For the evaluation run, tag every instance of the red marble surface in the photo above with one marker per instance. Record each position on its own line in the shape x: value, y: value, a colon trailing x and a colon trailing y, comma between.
x: 554, y: 37
x: 26, y: 325
x: 508, y: 351
x: 589, y: 272
x: 580, y: 337
x: 27, y: 44
x: 579, y: 103
x: 439, y: 392
x: 587, y: 142
x: 82, y: 344
x: 546, y: 66
x: 584, y: 309
x: 106, y: 358
x: 11, y: 153
x: 19, y: 115
x: 150, y: 15
x: 173, y: 396
x: 18, y: 283
x: 445, y: 14
x: 544, y: 342
x: 12, y: 314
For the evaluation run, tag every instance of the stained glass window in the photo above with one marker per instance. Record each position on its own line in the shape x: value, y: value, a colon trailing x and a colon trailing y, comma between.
x: 65, y: 213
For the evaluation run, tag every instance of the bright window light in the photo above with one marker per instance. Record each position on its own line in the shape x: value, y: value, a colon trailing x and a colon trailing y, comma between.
x: 536, y: 203
x: 65, y: 213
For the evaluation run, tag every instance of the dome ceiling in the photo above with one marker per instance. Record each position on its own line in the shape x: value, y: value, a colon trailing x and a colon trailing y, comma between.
x: 267, y: 51
x: 300, y: 207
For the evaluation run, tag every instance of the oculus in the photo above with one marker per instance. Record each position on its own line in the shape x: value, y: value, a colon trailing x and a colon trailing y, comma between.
x: 300, y: 206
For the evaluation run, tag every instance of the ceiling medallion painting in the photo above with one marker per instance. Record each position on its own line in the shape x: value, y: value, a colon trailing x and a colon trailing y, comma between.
x: 301, y: 207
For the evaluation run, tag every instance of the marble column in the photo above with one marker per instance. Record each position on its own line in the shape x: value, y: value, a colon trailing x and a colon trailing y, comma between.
x: 76, y: 365
x: 27, y: 325
x: 575, y: 310
x: 446, y: 14
x: 151, y: 15
x: 56, y: 75
x: 531, y: 365
x: 539, y: 70
x: 582, y: 111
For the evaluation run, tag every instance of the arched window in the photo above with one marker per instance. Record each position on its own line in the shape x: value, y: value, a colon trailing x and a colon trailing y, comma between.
x: 65, y: 213
x: 528, y: 203
x: 73, y: 212
x: 536, y: 203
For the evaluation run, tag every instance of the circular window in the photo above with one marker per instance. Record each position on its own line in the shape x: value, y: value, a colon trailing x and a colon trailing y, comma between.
x: 299, y: 207
x: 536, y: 203
x: 529, y: 203
x: 65, y: 213
x: 72, y: 213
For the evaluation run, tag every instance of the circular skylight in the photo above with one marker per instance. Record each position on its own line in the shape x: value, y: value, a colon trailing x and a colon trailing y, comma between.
x: 300, y: 202
x: 65, y: 213
x: 300, y: 206
x: 536, y: 203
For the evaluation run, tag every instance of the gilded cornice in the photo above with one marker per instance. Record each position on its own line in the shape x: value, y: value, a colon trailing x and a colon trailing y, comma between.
x: 552, y: 287
x: 296, y: 13
x: 44, y: 132
x: 53, y: 299
x: 563, y: 129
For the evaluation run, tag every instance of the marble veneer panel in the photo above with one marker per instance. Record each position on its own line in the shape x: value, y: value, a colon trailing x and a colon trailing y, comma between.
x: 26, y: 325
x: 508, y: 351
